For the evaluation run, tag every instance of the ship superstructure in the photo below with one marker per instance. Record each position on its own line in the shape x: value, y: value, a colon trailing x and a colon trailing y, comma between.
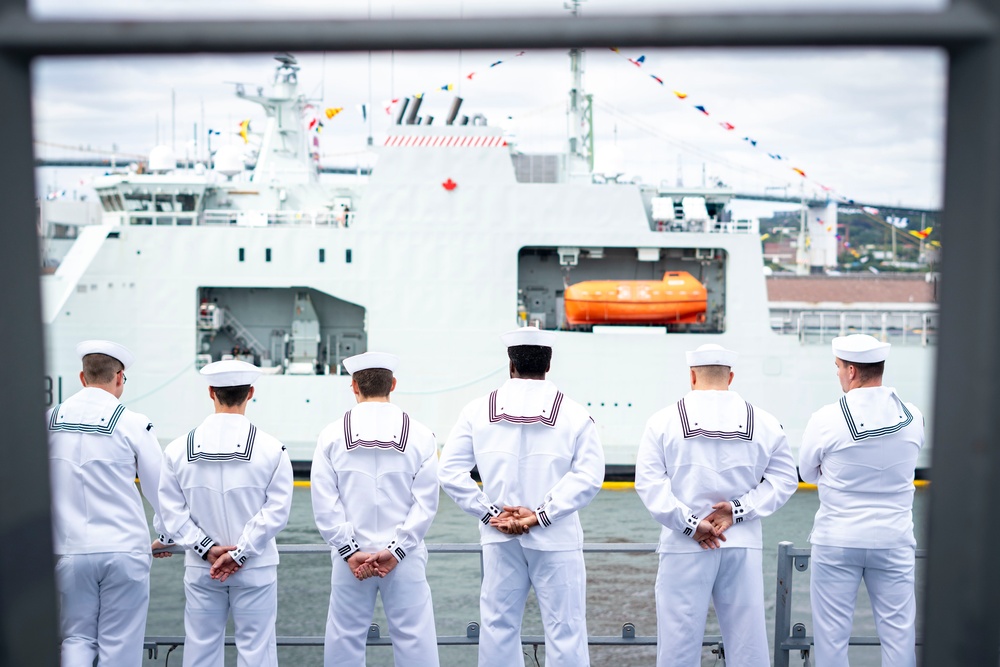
x: 444, y: 248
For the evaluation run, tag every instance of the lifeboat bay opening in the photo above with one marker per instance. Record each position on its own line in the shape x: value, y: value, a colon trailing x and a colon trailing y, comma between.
x: 578, y: 288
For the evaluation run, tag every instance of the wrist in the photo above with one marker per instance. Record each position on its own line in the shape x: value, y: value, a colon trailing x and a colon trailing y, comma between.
x: 203, y: 546
x: 491, y: 511
x: 396, y: 550
x: 738, y: 510
x: 239, y: 556
x: 349, y: 549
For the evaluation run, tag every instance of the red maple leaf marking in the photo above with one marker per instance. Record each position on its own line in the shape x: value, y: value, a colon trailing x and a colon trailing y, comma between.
x: 449, y: 185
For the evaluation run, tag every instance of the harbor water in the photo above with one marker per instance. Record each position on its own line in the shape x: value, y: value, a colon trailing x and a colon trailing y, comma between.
x: 619, y: 586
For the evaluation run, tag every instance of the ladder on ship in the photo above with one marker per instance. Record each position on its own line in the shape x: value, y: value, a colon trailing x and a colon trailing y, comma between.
x: 240, y: 333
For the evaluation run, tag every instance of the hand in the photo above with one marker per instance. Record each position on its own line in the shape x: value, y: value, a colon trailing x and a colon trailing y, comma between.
x: 160, y: 545
x: 506, y: 522
x: 383, y: 562
x: 722, y: 518
x: 223, y: 565
x: 707, y: 536
x: 358, y: 562
x: 524, y: 516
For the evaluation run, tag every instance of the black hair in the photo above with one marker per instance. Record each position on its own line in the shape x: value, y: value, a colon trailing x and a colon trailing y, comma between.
x: 232, y: 396
x: 530, y: 361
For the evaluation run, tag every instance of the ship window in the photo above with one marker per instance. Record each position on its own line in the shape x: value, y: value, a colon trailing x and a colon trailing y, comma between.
x: 267, y: 254
x: 242, y: 254
x: 322, y: 255
x: 347, y: 256
x: 163, y: 203
x: 187, y: 202
x: 138, y: 202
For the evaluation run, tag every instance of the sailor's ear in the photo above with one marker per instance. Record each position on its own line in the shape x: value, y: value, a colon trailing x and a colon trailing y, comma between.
x: 393, y: 387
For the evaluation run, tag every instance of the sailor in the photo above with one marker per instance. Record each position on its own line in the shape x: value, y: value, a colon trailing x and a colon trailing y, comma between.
x: 862, y: 452
x: 541, y: 461
x: 709, y: 468
x: 100, y: 536
x: 374, y: 496
x: 225, y: 492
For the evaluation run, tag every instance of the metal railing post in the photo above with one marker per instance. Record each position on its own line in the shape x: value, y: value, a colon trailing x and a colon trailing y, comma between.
x: 783, y: 603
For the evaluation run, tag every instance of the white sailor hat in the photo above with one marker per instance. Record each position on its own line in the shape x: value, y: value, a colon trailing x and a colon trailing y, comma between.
x: 230, y: 373
x: 711, y: 354
x: 529, y: 336
x: 860, y: 348
x: 362, y: 362
x: 113, y: 350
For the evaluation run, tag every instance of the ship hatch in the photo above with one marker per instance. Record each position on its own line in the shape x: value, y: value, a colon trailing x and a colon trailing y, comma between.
x: 291, y: 331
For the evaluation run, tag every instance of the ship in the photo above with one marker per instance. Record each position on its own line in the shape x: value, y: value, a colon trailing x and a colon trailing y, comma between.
x: 455, y: 237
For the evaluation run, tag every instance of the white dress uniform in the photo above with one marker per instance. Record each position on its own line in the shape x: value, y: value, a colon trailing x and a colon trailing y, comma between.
x: 712, y: 446
x: 374, y: 487
x: 100, y: 534
x: 861, y: 452
x: 534, y: 448
x: 228, y: 483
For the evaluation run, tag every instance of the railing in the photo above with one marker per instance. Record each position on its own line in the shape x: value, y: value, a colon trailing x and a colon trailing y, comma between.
x: 257, y: 218
x: 788, y: 637
x: 628, y: 637
x: 707, y: 226
x: 897, y: 327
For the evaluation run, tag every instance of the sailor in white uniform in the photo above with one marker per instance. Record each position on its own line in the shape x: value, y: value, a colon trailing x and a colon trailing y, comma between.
x: 862, y: 452
x: 225, y: 493
x: 541, y: 461
x: 100, y: 537
x: 708, y: 469
x: 374, y: 496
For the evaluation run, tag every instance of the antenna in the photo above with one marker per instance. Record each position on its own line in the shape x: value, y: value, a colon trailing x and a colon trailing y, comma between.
x: 580, y: 150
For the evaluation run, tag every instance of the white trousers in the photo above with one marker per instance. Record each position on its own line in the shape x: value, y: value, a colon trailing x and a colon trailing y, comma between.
x: 833, y: 588
x: 252, y: 597
x: 103, y: 600
x: 560, y: 582
x: 406, y: 597
x: 732, y: 578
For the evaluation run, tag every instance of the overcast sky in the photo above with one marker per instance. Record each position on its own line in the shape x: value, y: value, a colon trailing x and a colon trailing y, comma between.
x: 867, y: 123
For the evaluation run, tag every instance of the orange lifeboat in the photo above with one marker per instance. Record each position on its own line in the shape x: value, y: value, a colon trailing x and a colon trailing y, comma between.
x: 679, y: 298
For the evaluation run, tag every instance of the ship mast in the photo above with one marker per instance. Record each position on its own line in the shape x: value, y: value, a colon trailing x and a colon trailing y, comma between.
x: 580, y: 148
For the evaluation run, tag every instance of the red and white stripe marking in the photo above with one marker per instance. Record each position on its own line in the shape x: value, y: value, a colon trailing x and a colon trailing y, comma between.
x: 443, y: 141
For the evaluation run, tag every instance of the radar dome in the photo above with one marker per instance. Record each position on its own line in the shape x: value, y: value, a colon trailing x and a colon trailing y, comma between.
x: 229, y: 160
x: 161, y: 159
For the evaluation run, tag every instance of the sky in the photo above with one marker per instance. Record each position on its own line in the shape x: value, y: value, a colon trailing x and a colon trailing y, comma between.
x: 867, y: 124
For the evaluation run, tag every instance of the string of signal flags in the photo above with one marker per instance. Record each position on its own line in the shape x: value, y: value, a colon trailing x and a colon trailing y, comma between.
x: 314, y: 122
x: 870, y: 212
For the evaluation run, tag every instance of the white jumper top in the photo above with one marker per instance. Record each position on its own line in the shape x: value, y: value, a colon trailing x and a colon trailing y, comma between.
x: 534, y: 448
x: 862, y: 452
x: 712, y: 446
x: 96, y: 448
x: 228, y: 483
x: 374, y: 481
